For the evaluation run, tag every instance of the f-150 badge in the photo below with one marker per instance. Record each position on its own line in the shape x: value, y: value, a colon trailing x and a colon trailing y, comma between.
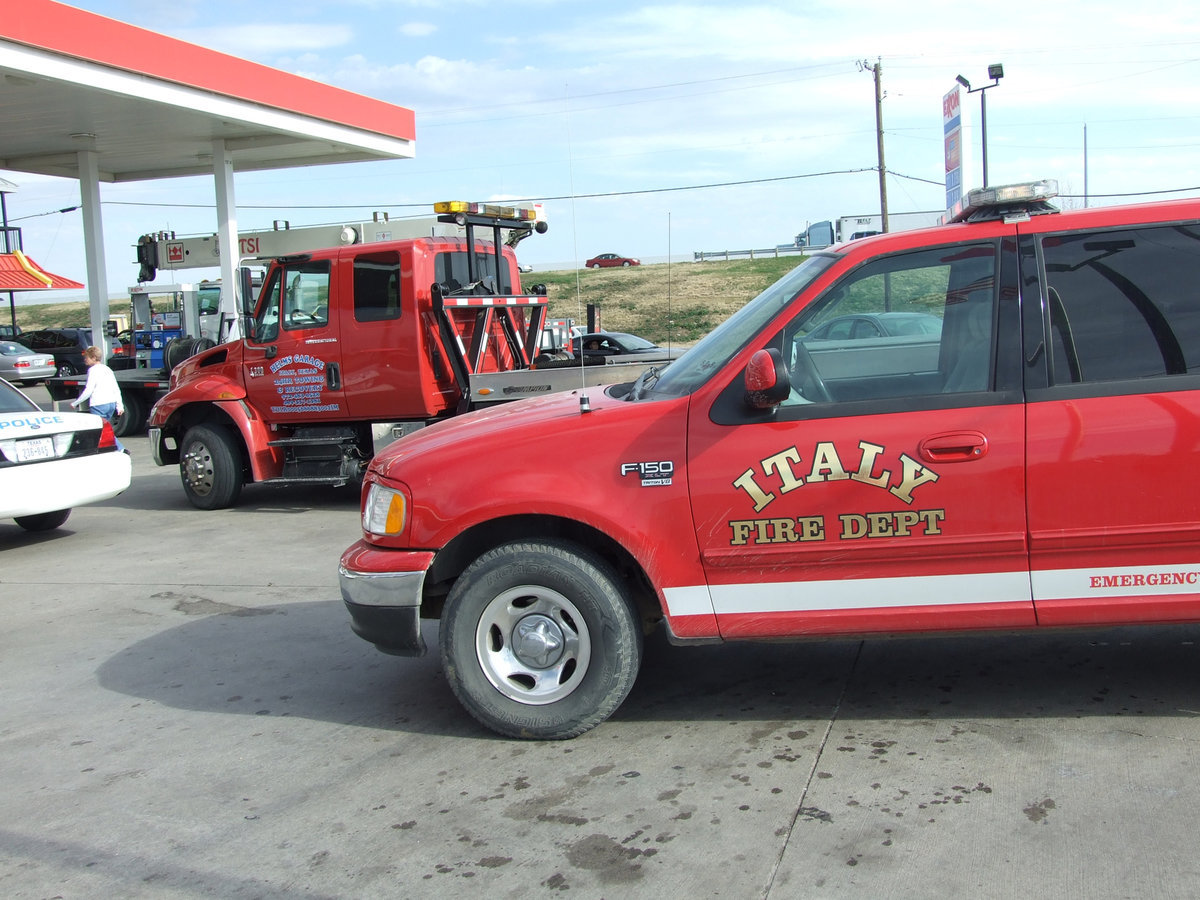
x: 652, y: 474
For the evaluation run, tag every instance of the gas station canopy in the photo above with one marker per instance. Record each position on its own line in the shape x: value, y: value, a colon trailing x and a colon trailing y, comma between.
x: 87, y: 97
x: 150, y: 106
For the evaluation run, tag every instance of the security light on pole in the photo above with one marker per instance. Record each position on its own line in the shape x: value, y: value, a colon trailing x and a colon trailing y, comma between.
x: 995, y: 72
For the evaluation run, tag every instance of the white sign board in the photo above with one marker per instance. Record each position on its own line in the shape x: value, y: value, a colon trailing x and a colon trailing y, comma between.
x: 959, y: 159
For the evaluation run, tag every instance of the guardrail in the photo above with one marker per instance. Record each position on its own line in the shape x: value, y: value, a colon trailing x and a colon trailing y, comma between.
x: 786, y: 250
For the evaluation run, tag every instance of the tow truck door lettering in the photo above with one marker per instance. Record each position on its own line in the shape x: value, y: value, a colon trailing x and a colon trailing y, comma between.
x: 287, y: 378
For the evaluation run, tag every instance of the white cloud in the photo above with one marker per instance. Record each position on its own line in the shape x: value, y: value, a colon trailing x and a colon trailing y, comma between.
x: 417, y: 29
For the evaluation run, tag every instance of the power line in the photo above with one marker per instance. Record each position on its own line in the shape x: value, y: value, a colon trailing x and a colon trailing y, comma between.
x: 596, y: 195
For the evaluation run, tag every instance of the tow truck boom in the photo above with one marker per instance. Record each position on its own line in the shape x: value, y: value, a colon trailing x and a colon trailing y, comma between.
x: 163, y: 250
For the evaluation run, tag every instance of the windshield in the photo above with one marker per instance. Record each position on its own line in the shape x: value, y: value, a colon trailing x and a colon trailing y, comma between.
x: 711, y: 353
x: 633, y: 342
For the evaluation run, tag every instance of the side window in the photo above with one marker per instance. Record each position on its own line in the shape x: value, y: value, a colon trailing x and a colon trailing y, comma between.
x: 1123, y: 304
x: 209, y: 301
x: 306, y: 296
x: 377, y: 287
x: 910, y: 325
x: 266, y: 321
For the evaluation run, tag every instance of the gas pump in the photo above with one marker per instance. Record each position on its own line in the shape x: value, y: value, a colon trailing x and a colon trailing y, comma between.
x: 153, y: 329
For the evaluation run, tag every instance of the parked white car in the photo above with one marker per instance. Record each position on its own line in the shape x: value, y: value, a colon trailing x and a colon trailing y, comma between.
x: 51, y: 462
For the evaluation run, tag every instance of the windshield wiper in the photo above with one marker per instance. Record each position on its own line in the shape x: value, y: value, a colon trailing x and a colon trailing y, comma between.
x: 635, y: 393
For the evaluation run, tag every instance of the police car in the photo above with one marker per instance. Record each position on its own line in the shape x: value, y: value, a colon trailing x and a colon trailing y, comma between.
x: 1034, y: 462
x: 53, y: 461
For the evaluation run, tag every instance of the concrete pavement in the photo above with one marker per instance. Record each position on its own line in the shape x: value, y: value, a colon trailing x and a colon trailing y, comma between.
x: 186, y: 714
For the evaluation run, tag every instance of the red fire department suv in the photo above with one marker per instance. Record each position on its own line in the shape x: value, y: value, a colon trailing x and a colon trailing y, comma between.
x: 1025, y: 458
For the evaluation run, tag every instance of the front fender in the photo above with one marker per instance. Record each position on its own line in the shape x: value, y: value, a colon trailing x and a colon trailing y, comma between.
x: 208, y: 388
x: 265, y: 461
x: 215, y: 398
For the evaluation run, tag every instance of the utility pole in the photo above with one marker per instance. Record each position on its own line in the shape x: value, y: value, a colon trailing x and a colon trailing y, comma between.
x: 1085, y: 166
x: 883, y: 205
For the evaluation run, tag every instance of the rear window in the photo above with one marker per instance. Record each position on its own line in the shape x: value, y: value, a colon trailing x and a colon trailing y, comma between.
x: 13, y: 401
x: 451, y: 271
x: 377, y: 286
x: 1123, y: 304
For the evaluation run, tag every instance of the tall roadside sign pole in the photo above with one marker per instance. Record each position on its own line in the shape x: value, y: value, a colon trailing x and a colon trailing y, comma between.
x: 883, y: 204
x: 955, y: 125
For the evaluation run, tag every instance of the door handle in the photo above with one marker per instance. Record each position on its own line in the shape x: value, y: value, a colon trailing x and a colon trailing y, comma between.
x: 955, y: 446
x: 333, y: 377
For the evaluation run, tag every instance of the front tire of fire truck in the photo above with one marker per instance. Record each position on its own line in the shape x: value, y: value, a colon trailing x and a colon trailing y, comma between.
x: 210, y: 467
x: 540, y: 640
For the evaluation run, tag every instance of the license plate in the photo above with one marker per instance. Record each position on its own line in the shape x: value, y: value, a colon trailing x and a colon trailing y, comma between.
x: 32, y: 450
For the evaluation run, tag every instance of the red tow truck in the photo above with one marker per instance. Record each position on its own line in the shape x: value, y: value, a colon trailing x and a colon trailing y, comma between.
x: 1020, y: 455
x: 363, y: 342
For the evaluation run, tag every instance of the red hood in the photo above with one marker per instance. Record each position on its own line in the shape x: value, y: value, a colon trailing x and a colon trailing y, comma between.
x: 506, y: 431
x: 540, y: 456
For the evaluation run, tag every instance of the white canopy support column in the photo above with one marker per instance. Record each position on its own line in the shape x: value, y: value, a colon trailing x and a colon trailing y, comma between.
x: 93, y: 246
x: 227, y: 234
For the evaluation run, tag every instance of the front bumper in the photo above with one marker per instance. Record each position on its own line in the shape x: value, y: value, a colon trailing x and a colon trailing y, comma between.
x: 382, y: 590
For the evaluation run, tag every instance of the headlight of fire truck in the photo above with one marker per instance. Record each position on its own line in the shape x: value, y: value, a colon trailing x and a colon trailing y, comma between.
x: 385, y: 511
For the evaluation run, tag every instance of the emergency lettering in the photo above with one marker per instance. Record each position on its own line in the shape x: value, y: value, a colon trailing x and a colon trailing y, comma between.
x: 1153, y: 579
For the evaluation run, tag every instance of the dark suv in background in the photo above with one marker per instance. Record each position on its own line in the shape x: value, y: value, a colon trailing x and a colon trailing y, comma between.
x: 65, y: 344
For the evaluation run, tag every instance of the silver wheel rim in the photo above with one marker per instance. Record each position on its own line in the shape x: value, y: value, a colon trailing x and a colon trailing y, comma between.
x: 197, y: 467
x: 533, y: 645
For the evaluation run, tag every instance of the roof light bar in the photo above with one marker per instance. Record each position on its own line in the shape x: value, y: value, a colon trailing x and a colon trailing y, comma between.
x: 495, y: 211
x: 1007, y: 194
x: 1031, y: 197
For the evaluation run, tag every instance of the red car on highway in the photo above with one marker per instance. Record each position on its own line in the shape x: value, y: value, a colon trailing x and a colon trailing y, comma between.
x: 604, y: 260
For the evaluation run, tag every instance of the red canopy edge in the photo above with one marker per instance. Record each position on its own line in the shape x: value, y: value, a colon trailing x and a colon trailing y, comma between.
x: 16, y: 275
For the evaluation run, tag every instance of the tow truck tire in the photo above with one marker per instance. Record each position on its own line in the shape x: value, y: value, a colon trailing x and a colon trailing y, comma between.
x: 539, y: 640
x: 210, y: 467
x: 46, y: 521
x: 133, y: 420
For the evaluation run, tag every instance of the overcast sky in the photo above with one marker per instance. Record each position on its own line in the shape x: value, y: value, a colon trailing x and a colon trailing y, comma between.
x: 705, y: 126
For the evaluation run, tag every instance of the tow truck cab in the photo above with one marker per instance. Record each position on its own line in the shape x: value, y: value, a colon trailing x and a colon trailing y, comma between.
x: 342, y: 338
x: 1028, y: 462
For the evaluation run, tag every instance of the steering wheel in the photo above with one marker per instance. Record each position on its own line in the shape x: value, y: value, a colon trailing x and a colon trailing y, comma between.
x: 806, y: 379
